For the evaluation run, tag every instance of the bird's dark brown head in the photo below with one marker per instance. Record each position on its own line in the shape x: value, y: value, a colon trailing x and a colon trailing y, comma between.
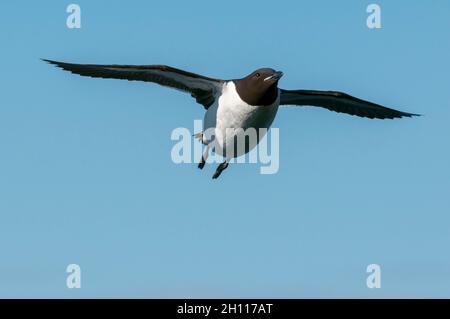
x: 259, y: 87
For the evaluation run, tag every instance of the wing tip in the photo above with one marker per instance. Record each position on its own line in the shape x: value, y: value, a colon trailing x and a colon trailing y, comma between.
x: 410, y: 115
x: 397, y: 115
x: 52, y: 62
x: 48, y: 61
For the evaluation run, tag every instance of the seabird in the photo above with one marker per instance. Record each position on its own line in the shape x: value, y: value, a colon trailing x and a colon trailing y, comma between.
x: 235, y: 105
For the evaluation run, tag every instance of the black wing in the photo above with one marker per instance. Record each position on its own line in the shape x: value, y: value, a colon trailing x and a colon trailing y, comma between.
x: 202, y: 88
x: 340, y: 102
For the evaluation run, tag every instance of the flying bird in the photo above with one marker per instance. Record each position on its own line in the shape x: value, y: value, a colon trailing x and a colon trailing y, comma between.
x: 235, y: 105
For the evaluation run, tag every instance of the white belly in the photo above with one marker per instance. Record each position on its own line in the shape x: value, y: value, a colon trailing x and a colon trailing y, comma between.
x: 230, y: 118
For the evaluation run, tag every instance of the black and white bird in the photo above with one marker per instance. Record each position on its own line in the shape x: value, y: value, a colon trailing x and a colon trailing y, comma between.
x: 235, y: 105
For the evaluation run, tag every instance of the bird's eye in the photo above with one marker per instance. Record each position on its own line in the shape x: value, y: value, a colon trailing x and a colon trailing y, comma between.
x: 257, y: 75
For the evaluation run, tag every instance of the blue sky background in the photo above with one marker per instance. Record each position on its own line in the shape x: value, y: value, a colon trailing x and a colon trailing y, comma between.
x: 86, y: 175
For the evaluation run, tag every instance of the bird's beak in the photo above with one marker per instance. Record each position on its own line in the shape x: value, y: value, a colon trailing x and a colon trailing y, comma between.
x: 274, y: 77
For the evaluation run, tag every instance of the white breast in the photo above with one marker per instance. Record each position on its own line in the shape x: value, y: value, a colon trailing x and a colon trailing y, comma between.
x: 232, y: 113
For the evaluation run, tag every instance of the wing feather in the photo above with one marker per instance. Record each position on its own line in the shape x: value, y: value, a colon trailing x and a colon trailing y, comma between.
x: 203, y: 89
x: 340, y: 102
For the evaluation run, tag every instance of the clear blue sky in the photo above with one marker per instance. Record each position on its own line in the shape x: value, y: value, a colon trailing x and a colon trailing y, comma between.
x: 86, y: 175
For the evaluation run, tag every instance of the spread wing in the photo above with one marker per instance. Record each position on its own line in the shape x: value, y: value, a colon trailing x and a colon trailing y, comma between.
x: 339, y: 102
x: 202, y: 88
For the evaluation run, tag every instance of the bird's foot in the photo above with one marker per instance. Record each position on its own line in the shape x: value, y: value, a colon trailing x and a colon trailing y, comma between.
x: 199, y: 137
x: 202, y: 162
x: 220, y: 169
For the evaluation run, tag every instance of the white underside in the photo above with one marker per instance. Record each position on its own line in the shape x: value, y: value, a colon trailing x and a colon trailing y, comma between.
x: 230, y: 116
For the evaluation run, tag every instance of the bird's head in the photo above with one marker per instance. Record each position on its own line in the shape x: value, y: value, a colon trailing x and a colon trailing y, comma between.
x: 259, y: 87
